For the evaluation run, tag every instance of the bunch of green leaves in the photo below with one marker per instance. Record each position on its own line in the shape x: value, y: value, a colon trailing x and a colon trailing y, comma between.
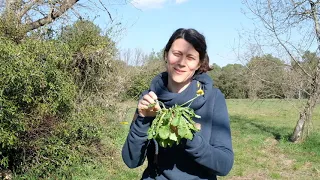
x: 173, y: 124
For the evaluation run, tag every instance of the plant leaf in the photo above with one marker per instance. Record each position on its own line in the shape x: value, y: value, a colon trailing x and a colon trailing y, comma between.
x: 164, y: 132
x: 189, y: 135
x: 176, y: 121
x: 173, y: 136
x: 150, y: 134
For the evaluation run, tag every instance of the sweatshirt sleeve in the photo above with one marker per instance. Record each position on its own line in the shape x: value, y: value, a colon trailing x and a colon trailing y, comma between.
x: 135, y: 146
x: 216, y: 155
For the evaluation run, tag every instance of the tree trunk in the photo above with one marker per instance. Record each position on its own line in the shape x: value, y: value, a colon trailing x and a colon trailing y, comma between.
x: 301, y: 86
x: 305, y: 116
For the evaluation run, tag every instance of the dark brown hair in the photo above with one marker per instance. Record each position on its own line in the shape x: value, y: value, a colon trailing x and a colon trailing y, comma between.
x: 197, y: 40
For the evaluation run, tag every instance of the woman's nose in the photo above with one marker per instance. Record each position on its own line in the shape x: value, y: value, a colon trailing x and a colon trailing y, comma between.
x: 182, y: 61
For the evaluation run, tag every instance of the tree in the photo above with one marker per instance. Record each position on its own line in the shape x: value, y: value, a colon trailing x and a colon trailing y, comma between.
x: 265, y: 77
x: 309, y: 62
x: 232, y: 81
x: 18, y: 17
x: 215, y: 74
x: 291, y: 27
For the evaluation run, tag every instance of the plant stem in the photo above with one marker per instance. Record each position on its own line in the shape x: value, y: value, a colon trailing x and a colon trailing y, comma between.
x: 191, y: 100
x: 161, y: 103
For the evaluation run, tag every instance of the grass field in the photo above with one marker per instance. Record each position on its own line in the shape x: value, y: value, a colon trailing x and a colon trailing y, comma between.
x: 260, y: 131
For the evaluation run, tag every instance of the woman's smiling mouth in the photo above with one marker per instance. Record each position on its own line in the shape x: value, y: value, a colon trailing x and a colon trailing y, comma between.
x: 178, y: 71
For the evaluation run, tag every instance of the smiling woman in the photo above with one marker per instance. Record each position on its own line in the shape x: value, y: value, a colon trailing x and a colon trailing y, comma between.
x: 209, y: 153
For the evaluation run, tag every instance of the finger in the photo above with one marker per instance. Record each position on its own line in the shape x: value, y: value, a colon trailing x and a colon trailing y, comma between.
x: 156, y: 107
x: 142, y: 106
x: 148, y: 98
x: 198, y: 126
x: 144, y: 102
x: 153, y: 95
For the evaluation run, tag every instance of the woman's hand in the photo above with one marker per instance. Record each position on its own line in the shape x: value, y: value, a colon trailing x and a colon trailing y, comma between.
x: 145, y: 108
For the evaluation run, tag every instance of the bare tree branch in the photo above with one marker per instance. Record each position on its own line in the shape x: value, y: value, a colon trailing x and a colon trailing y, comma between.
x: 271, y: 27
x: 27, y: 7
x: 54, y: 14
x: 106, y: 10
x: 282, y: 44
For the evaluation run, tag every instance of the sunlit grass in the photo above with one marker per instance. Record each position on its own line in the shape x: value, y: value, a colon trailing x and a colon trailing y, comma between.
x: 260, y: 131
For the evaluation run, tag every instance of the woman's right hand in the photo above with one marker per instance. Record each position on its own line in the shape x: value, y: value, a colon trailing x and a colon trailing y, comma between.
x: 143, y: 106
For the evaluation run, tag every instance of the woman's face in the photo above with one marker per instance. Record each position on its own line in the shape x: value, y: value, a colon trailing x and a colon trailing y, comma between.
x: 182, y: 62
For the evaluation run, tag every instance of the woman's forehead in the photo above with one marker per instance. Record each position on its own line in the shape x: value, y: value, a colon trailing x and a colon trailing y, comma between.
x: 184, y: 46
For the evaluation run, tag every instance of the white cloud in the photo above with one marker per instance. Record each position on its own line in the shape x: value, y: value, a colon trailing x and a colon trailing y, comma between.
x: 180, y: 1
x: 148, y: 4
x: 152, y: 4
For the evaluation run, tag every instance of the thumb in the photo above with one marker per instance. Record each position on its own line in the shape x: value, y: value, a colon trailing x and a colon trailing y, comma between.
x: 198, y: 126
x: 157, y: 107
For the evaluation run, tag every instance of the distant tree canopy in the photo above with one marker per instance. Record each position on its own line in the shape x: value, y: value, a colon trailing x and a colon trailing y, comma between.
x: 264, y: 77
x: 231, y: 81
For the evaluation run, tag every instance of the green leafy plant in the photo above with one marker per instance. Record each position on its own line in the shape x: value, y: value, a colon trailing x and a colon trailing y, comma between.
x: 173, y: 124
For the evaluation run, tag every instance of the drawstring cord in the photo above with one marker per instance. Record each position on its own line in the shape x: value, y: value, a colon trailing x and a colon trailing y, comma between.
x: 155, y: 160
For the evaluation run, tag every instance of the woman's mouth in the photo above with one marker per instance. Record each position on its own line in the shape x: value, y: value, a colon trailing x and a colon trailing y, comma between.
x: 178, y: 71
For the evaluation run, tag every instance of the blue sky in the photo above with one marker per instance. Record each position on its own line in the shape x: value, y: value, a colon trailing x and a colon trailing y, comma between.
x: 149, y: 24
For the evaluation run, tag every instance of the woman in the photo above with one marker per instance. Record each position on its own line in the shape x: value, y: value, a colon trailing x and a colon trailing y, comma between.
x: 209, y: 153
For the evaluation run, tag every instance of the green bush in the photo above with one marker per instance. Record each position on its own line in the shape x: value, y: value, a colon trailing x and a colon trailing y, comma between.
x: 44, y: 129
x: 92, y: 53
x: 74, y: 141
x: 35, y: 93
x: 141, y: 80
x: 11, y: 28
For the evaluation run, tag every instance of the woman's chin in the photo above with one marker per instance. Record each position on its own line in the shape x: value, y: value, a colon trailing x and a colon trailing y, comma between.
x: 180, y: 80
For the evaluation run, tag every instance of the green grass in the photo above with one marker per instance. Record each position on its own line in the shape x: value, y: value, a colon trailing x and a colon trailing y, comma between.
x: 260, y: 131
x: 111, y: 165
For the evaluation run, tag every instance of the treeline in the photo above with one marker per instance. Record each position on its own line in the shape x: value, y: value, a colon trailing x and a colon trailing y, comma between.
x: 266, y: 77
x: 262, y: 77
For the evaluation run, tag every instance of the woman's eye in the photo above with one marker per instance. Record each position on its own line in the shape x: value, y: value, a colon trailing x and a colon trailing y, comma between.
x: 176, y: 54
x: 191, y: 58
